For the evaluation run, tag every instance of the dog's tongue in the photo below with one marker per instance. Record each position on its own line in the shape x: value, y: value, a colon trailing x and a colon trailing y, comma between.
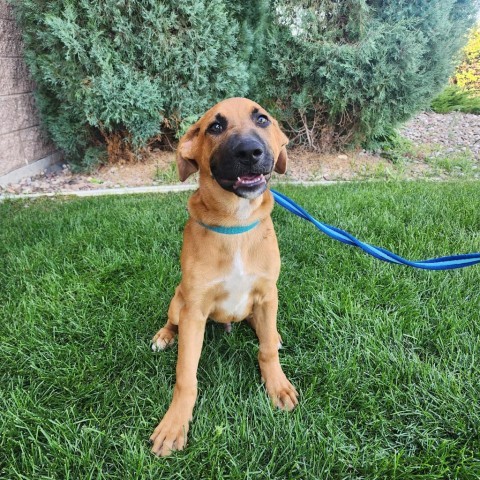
x: 249, y: 181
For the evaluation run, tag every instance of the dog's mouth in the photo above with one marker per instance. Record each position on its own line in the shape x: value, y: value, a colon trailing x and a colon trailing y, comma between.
x: 250, y: 181
x: 247, y: 186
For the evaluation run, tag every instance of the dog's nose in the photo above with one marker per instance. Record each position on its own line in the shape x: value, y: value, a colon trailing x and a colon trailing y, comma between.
x: 248, y: 151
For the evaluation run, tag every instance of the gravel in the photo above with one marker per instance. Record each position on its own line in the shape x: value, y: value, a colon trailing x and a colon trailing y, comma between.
x: 450, y: 133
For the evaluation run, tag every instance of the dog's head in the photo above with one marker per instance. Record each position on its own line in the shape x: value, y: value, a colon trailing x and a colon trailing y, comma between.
x: 237, y: 144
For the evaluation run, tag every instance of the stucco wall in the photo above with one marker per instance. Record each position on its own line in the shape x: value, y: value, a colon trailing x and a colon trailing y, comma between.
x: 22, y: 141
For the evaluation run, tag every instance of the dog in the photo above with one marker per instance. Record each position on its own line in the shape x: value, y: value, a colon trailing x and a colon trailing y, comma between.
x: 230, y: 259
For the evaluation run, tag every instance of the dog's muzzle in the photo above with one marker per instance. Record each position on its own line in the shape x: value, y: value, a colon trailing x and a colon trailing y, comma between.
x: 243, y: 165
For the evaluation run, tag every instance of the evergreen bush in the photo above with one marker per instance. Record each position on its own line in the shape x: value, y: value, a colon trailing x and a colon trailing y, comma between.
x: 120, y: 73
x: 342, y: 71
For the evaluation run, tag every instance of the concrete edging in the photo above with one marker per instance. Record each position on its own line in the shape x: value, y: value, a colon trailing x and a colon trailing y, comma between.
x: 173, y: 189
x: 148, y: 189
x: 31, y: 169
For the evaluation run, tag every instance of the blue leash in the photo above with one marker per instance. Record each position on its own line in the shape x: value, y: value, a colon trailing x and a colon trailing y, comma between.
x: 441, y: 263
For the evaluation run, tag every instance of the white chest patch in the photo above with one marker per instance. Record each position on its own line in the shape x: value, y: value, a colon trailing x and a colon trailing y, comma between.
x: 238, y: 285
x: 244, y: 209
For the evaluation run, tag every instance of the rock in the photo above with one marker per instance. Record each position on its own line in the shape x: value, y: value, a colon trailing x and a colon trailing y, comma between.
x: 453, y: 131
x: 343, y: 157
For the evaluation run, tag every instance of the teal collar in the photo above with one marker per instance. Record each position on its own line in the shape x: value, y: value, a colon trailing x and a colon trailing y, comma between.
x: 230, y: 230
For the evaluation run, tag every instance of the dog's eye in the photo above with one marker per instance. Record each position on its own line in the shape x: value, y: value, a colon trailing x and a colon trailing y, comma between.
x: 263, y: 121
x: 215, y: 128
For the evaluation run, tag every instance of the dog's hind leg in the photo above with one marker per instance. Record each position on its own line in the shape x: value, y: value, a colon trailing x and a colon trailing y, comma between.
x: 166, y: 335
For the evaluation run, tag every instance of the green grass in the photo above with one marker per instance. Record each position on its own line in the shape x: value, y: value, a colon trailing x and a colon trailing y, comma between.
x: 167, y: 174
x: 457, y: 164
x: 386, y: 358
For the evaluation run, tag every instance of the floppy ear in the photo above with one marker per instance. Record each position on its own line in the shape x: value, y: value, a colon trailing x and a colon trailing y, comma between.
x: 186, y: 153
x: 282, y: 160
x: 281, y: 165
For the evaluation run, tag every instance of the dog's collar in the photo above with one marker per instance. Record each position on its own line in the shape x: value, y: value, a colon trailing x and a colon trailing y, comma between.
x: 230, y: 230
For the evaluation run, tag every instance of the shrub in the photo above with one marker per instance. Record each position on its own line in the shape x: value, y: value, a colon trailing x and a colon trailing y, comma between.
x: 121, y: 73
x: 467, y: 74
x: 343, y: 71
x: 118, y: 74
x: 454, y: 98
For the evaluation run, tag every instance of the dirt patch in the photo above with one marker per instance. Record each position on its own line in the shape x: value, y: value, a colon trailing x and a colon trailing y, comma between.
x: 160, y: 169
x: 310, y: 166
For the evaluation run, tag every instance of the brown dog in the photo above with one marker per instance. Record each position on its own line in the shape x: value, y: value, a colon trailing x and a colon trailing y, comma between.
x: 227, y: 275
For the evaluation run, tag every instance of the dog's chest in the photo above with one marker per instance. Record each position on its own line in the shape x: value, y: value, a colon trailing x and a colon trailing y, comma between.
x: 235, y: 287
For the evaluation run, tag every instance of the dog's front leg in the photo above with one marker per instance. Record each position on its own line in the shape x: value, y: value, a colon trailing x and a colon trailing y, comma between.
x: 171, y: 432
x: 282, y: 393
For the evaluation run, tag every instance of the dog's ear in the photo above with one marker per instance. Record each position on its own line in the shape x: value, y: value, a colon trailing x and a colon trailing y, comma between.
x: 282, y: 160
x: 187, y: 153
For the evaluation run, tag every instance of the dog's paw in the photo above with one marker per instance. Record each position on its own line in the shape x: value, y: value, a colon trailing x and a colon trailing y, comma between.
x: 170, y: 434
x: 281, y: 392
x: 163, y: 339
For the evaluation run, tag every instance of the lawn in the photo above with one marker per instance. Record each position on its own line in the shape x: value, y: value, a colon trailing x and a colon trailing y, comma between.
x: 386, y: 358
